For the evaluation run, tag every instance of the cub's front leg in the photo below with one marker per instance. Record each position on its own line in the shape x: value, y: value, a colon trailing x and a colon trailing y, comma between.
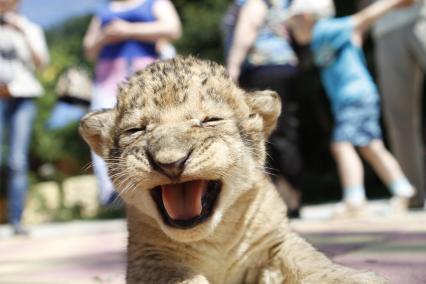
x: 302, y: 264
x: 162, y: 273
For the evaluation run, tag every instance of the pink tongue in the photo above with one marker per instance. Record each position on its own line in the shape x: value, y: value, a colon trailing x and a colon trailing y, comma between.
x: 183, y: 201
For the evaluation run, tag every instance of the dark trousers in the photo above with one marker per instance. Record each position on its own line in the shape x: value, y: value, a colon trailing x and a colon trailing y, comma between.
x: 284, y: 150
x: 401, y: 72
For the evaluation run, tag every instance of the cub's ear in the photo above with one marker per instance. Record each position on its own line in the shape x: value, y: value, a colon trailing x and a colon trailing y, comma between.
x: 267, y: 105
x: 96, y: 128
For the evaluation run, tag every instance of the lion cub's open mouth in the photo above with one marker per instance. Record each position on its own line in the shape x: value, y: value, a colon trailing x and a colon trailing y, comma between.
x: 185, y: 205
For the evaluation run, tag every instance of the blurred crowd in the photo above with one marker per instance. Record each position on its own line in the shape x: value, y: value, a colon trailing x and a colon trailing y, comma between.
x: 266, y: 45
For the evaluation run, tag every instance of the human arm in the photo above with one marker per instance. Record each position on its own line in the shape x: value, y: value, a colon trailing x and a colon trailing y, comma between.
x: 33, y: 37
x: 166, y: 26
x: 251, y: 18
x: 4, y: 91
x: 365, y: 18
x: 94, y: 39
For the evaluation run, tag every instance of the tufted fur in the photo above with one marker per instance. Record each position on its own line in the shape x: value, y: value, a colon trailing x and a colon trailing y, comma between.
x: 188, y: 109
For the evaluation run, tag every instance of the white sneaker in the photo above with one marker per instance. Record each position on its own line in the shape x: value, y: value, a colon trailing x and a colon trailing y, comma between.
x: 346, y: 210
x: 399, y: 204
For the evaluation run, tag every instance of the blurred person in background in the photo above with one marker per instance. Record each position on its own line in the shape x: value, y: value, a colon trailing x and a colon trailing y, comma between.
x: 122, y: 39
x: 73, y: 90
x: 261, y: 57
x: 400, y: 41
x: 336, y: 46
x: 23, y: 51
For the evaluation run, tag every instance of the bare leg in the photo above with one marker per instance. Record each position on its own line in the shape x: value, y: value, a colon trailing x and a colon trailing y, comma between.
x: 390, y: 172
x: 290, y: 195
x: 351, y: 174
x: 349, y: 164
x: 350, y: 168
x: 382, y: 161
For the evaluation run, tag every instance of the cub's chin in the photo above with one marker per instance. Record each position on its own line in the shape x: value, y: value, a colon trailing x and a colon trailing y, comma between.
x: 187, y: 205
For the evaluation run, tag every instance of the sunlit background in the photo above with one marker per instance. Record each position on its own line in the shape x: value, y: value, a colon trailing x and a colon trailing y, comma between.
x: 57, y: 156
x: 52, y: 12
x: 74, y: 243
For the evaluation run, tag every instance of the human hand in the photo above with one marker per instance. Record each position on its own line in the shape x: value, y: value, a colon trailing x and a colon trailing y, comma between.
x: 405, y: 3
x: 234, y: 73
x: 117, y: 30
x: 13, y: 20
x: 281, y: 30
x: 4, y: 91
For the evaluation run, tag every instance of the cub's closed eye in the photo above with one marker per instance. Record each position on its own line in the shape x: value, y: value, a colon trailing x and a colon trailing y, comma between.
x: 135, y: 130
x: 212, y: 119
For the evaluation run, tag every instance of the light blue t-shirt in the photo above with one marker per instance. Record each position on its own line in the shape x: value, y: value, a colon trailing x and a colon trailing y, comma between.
x: 270, y: 48
x: 344, y: 72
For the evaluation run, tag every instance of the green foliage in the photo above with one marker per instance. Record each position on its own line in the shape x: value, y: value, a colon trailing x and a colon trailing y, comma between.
x: 63, y: 146
x: 201, y: 24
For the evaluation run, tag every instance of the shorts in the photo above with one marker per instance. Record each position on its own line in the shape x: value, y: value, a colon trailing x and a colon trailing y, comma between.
x: 357, y: 123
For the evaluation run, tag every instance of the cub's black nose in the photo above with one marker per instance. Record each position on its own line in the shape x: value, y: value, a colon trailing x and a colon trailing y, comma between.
x: 171, y: 169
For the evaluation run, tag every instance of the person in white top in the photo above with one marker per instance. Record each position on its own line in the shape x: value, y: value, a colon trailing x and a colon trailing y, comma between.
x: 23, y: 51
x: 400, y: 41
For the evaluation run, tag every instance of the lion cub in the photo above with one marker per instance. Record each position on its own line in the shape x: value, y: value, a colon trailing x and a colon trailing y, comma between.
x: 185, y: 148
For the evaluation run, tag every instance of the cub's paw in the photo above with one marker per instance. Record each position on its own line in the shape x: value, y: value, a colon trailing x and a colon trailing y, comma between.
x: 265, y: 275
x: 366, y: 278
x: 199, y: 279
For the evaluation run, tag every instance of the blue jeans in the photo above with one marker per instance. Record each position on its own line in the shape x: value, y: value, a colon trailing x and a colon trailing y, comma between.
x: 16, y: 116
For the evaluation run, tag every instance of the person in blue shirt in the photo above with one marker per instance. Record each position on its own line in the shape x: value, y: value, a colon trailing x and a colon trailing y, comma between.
x: 336, y: 47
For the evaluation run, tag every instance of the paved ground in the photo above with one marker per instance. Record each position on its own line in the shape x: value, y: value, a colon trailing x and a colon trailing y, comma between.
x: 94, y: 252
